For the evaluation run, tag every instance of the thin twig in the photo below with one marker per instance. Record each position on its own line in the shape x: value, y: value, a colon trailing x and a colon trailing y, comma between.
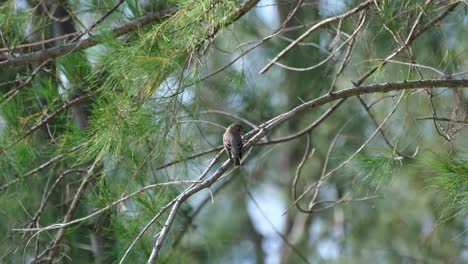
x: 52, y: 248
x: 444, y: 119
x: 362, y: 19
x: 312, y: 29
x: 307, y: 154
x: 342, y: 94
x: 411, y: 37
x: 278, y: 233
x: 231, y: 115
x: 46, y: 120
x: 256, y: 134
x: 202, y: 122
x: 351, y: 157
x: 342, y: 200
x: 109, y: 206
x: 58, y: 51
x: 256, y: 45
x: 45, y: 199
x: 14, y: 91
x: 41, y: 167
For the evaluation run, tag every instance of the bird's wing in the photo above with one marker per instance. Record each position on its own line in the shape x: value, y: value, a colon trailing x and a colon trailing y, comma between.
x: 227, y: 145
x: 239, y: 147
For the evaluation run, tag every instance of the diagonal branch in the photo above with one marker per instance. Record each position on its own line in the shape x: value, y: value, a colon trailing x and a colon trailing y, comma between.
x: 58, y: 51
x: 46, y: 120
x: 312, y: 29
x: 411, y: 36
x: 40, y: 167
x: 258, y: 133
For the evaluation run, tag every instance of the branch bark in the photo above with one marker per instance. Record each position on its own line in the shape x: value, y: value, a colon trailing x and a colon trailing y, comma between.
x: 258, y: 133
x: 58, y: 51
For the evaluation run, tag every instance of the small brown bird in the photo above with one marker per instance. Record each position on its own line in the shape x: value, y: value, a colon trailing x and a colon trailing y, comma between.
x: 233, y: 143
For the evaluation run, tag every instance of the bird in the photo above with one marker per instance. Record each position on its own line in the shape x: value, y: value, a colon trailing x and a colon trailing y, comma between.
x: 232, y: 142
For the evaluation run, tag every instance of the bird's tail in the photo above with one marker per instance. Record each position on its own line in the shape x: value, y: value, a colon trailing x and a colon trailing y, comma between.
x: 237, y: 161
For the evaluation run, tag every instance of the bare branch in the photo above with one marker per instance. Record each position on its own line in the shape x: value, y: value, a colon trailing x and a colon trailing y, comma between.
x: 58, y: 51
x: 312, y: 29
x: 412, y: 36
x: 278, y: 233
x: 231, y: 115
x: 46, y: 120
x: 52, y: 248
x: 351, y: 38
x: 42, y: 166
x: 109, y: 206
x: 444, y: 119
x: 280, y: 29
x: 351, y: 157
x: 342, y: 95
x: 256, y: 134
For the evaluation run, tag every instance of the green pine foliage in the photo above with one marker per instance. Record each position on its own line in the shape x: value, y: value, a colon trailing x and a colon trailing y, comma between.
x: 377, y: 171
x: 144, y: 98
x: 13, y: 22
x: 451, y: 176
x: 130, y: 119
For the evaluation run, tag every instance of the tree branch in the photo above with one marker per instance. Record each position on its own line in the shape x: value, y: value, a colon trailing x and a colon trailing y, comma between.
x: 258, y: 133
x: 312, y: 29
x: 58, y: 51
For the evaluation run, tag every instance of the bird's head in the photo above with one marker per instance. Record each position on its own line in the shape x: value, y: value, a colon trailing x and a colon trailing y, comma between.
x: 236, y: 128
